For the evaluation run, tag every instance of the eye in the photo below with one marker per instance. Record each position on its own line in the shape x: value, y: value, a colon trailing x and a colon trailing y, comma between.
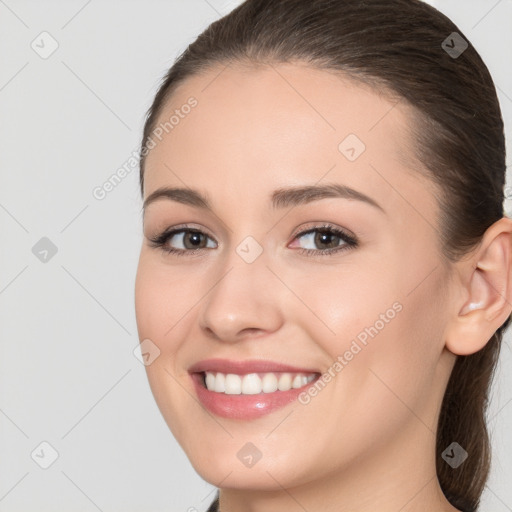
x: 183, y: 240
x: 327, y: 239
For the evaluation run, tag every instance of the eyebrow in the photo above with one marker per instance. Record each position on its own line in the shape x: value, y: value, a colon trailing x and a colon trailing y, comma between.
x: 280, y: 198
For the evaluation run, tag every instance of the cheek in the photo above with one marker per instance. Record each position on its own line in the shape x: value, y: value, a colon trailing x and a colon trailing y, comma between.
x: 145, y: 289
x: 345, y: 304
x: 395, y: 368
x: 164, y: 306
x: 381, y: 338
x: 159, y: 304
x: 162, y: 302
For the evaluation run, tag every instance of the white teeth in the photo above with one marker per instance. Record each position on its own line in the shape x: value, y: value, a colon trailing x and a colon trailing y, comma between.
x: 210, y: 380
x: 220, y: 383
x: 297, y: 382
x: 253, y: 384
x: 269, y: 383
x: 285, y: 382
x: 233, y: 384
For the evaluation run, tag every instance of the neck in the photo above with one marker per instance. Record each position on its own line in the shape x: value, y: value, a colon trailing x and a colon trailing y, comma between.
x: 400, y: 476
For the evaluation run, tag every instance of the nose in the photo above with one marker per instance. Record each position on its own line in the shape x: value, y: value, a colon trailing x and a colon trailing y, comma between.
x: 244, y: 301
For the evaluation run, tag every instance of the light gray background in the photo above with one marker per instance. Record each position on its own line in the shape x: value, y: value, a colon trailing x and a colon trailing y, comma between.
x: 67, y: 369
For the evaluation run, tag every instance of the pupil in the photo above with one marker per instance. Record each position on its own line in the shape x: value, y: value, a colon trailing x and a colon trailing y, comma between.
x: 324, y: 238
x: 195, y: 238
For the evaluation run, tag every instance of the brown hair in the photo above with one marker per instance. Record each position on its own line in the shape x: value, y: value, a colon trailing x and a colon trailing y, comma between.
x: 397, y: 47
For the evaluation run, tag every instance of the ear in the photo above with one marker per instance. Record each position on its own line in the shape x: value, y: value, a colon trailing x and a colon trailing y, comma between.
x: 486, y: 291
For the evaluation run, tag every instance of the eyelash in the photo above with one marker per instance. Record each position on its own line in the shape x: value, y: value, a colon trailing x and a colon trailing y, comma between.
x: 350, y: 241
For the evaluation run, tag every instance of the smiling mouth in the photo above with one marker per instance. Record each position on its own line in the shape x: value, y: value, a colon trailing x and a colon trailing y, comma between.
x: 255, y: 383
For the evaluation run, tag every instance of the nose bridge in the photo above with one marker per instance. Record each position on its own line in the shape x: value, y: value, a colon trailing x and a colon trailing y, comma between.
x: 239, y: 297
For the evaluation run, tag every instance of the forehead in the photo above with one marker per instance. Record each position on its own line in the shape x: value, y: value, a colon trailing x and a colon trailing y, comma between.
x: 278, y: 96
x: 280, y: 124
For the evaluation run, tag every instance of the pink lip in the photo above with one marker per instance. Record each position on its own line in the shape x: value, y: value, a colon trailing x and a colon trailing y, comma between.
x: 244, y: 407
x: 243, y: 367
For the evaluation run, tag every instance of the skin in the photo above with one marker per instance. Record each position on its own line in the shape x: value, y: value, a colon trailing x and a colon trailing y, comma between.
x: 366, y: 442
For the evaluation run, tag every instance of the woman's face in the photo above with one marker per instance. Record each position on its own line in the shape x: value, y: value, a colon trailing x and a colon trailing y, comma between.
x: 270, y: 283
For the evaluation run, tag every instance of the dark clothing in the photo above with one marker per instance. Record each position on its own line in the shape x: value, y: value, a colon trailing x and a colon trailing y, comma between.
x: 214, y: 507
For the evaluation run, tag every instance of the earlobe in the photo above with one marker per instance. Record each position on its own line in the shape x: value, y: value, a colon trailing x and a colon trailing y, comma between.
x: 487, y: 282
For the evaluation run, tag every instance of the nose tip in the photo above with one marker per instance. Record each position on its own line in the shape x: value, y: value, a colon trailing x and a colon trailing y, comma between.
x: 232, y: 334
x: 240, y: 307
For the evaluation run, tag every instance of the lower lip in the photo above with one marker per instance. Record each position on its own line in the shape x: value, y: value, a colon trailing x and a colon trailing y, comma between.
x: 244, y: 407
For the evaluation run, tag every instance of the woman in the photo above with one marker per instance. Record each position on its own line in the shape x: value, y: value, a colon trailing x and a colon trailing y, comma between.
x: 325, y: 269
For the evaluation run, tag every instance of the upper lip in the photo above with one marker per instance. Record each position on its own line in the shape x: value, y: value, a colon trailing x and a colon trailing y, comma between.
x: 243, y: 367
